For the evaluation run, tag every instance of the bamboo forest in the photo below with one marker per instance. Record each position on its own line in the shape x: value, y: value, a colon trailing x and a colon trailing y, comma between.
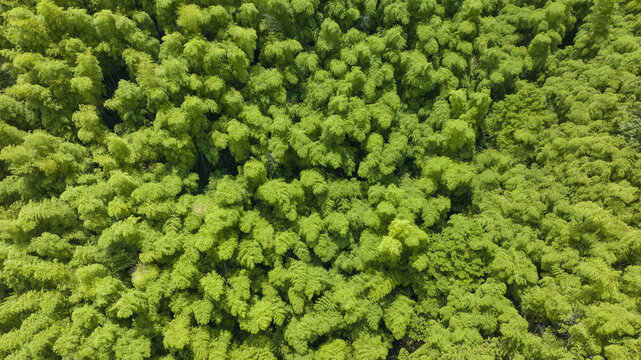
x: 320, y: 179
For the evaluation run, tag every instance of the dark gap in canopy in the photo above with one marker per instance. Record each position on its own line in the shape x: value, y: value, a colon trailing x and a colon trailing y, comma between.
x: 226, y: 165
x: 111, y: 80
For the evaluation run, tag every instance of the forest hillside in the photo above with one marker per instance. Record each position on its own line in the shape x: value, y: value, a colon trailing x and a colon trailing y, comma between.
x: 320, y: 180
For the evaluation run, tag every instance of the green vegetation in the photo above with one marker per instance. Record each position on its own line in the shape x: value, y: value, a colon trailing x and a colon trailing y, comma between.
x: 320, y: 180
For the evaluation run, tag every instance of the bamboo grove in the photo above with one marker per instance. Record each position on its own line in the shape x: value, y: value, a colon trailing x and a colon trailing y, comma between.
x: 320, y: 180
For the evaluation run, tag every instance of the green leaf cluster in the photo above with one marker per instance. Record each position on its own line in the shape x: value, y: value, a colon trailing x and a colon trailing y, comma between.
x: 305, y: 179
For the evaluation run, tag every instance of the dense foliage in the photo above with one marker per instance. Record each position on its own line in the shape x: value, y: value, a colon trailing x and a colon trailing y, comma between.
x: 307, y: 179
